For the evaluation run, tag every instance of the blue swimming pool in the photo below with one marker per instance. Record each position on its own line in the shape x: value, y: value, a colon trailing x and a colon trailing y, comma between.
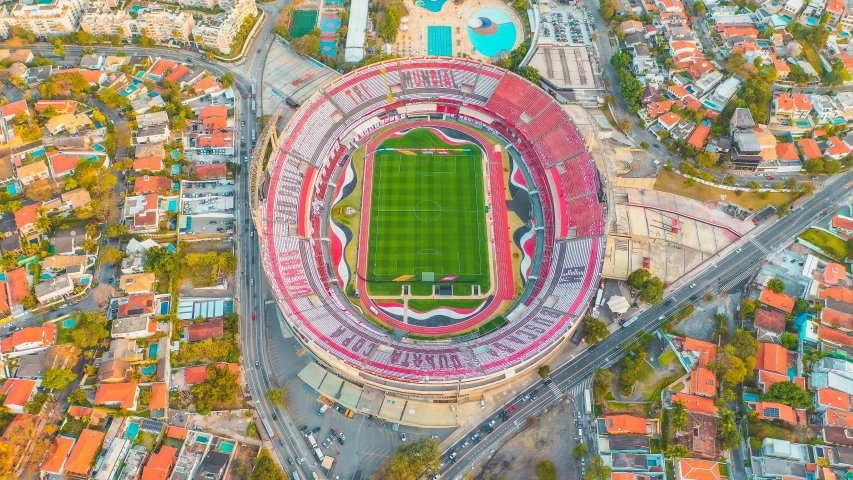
x: 69, y: 323
x: 149, y: 370
x: 176, y: 169
x: 173, y: 206
x: 431, y: 5
x: 152, y: 350
x: 12, y: 189
x: 491, y: 32
x: 132, y: 431
x: 439, y: 41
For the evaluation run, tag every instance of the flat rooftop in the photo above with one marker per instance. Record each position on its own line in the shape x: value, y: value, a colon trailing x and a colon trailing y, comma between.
x: 565, y: 67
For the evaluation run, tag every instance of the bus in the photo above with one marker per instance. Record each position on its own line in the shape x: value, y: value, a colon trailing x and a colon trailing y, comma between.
x: 254, y: 134
x: 253, y: 106
x: 587, y: 402
x: 253, y: 90
x: 268, y: 428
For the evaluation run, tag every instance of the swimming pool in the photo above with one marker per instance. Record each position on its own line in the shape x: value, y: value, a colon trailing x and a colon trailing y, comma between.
x: 202, y: 439
x: 149, y: 370
x: 431, y: 5
x: 439, y: 41
x: 152, y: 350
x: 226, y: 447
x: 176, y: 169
x: 132, y: 431
x: 491, y: 32
x: 69, y: 323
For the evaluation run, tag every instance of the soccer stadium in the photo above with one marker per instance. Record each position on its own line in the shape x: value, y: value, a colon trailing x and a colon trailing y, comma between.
x: 431, y: 226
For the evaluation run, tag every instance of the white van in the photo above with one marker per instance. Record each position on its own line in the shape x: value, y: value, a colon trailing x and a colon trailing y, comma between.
x: 323, y: 409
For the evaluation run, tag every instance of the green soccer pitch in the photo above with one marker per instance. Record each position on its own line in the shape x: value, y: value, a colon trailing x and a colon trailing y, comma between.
x: 427, y: 212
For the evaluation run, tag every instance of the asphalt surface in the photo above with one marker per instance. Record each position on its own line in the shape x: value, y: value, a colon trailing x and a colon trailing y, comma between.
x: 749, y: 251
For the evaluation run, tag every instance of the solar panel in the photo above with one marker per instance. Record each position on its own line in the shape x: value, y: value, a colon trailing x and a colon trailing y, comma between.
x: 152, y: 425
x: 771, y: 412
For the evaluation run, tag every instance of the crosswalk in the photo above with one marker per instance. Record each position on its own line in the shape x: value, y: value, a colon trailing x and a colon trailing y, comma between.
x: 759, y: 246
x: 739, y: 278
x: 554, y: 388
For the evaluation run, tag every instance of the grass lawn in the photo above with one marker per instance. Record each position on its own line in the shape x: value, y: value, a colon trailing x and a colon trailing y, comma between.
x: 63, y: 335
x: 147, y: 440
x: 724, y: 469
x: 654, y: 445
x: 645, y: 372
x: 667, y: 358
x: 427, y: 212
x: 672, y: 182
x: 424, y: 305
x: 830, y: 244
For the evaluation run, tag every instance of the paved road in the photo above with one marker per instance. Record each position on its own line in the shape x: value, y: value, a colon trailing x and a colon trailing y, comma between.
x: 709, y: 278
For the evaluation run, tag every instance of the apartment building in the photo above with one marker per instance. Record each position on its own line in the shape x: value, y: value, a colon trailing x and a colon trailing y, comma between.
x: 199, y: 3
x: 160, y: 24
x: 56, y: 18
x: 219, y: 33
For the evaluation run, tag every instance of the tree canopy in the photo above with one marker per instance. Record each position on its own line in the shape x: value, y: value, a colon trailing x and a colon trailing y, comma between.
x: 638, y: 278
x: 413, y: 460
x: 594, y: 331
x: 776, y: 284
x: 58, y: 378
x: 788, y: 393
x: 266, y: 468
x: 220, y: 388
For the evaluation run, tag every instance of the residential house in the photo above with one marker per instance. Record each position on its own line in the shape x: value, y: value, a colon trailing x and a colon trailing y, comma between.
x: 160, y: 464
x: 703, y: 382
x: 211, y: 171
x: 7, y: 119
x: 779, y: 301
x: 19, y: 285
x: 153, y: 134
x: 198, y: 332
x: 133, y: 327
x: 123, y: 395
x: 37, y: 75
x: 153, y: 164
x: 628, y: 424
x: 62, y: 164
x: 69, y: 242
x: 31, y: 172
x: 54, y: 289
x: 695, y: 469
x: 122, y: 349
x: 809, y: 148
x: 74, y: 199
x: 695, y: 403
x: 82, y: 457
x: 776, y: 411
x: 137, y: 283
x: 69, y: 122
x: 159, y: 400
x: 18, y: 392
x: 115, y: 371
x: 92, y: 62
x: 55, y: 464
x: 769, y: 325
x: 198, y: 373
x: 151, y: 184
x: 29, y: 340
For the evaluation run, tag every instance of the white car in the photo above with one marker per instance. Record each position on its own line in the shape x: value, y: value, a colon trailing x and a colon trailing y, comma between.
x: 402, y: 437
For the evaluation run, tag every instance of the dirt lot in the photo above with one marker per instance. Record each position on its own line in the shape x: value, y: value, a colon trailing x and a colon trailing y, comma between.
x: 700, y: 324
x: 650, y: 375
x: 243, y: 462
x: 517, y: 458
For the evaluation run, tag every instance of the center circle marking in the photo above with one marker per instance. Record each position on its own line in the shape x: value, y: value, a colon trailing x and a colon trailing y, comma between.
x: 427, y: 211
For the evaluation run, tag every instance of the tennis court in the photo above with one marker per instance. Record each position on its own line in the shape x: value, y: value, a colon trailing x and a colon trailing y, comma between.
x: 427, y: 215
x: 440, y: 41
x: 303, y: 22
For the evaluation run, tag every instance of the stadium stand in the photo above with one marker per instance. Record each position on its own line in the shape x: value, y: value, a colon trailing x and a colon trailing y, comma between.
x: 534, y: 128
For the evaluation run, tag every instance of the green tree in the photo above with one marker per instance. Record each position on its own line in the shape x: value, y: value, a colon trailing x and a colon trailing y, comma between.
x: 677, y: 451
x: 601, y: 382
x: 277, y: 396
x: 789, y: 341
x: 116, y: 229
x: 29, y: 302
x: 594, y: 330
x: 597, y: 470
x: 413, y: 460
x: 544, y: 371
x: 227, y: 79
x: 220, y: 388
x: 807, y: 188
x: 730, y: 180
x: 705, y: 160
x: 728, y: 432
x: 90, y: 329
x: 813, y: 166
x: 580, y: 450
x: 776, y: 284
x: 266, y: 468
x: 652, y: 291
x: 58, y: 378
x: 747, y: 308
x: 699, y: 8
x: 545, y: 469
x: 306, y: 45
x: 638, y: 278
x: 679, y: 415
x: 744, y: 343
x: 831, y: 166
x: 110, y: 254
x: 753, y: 185
x: 530, y: 73
x: 788, y: 393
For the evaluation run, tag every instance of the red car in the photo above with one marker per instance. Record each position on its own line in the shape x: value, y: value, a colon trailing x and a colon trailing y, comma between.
x: 511, y: 408
x: 253, y: 316
x: 769, y: 178
x: 244, y: 95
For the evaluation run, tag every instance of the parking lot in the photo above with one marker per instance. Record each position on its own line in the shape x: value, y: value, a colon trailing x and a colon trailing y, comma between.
x: 565, y: 25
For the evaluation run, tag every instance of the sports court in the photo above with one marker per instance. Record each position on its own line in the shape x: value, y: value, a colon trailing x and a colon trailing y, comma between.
x: 439, y: 41
x: 427, y: 214
x: 303, y: 21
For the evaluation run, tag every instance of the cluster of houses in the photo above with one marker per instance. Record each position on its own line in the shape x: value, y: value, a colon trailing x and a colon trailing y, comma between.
x: 213, y: 24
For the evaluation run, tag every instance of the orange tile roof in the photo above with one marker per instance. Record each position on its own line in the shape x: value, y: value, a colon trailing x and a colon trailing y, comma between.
x: 92, y: 76
x: 42, y: 336
x: 834, y: 146
x: 161, y: 65
x: 62, y: 163
x: 833, y: 273
x: 802, y: 102
x: 834, y: 336
x: 179, y: 433
x: 842, y: 221
x: 781, y: 66
x: 691, y: 103
x: 204, y: 84
x: 216, y: 140
x: 847, y: 60
x: 55, y: 463
x: 61, y: 106
x: 159, y: 464
x: 151, y: 183
x: 198, y: 373
x: 786, y: 413
x: 770, y: 320
x: 695, y: 469
x: 138, y: 305
x: 22, y: 420
x: 617, y: 424
x: 11, y: 109
x: 122, y: 393
x: 786, y: 151
x: 699, y: 136
x: 809, y: 148
x: 214, y: 124
x: 819, y: 132
x: 772, y: 357
x: 177, y: 73
x: 4, y: 298
x: 839, y: 418
x: 836, y: 319
x: 835, y: 6
x: 19, y: 286
x: 703, y: 382
x: 695, y: 403
x: 27, y: 215
x: 657, y: 109
x: 211, y: 171
x: 669, y: 119
x: 213, y: 111
x: 18, y: 391
x: 153, y: 163
x: 678, y: 91
x: 699, y: 68
x: 779, y: 301
x: 833, y: 398
x: 159, y: 396
x: 768, y: 379
x: 83, y: 453
x: 837, y: 293
x: 707, y: 351
x: 784, y: 102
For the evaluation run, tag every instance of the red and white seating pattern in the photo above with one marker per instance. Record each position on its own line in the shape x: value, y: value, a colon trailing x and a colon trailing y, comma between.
x: 526, y: 117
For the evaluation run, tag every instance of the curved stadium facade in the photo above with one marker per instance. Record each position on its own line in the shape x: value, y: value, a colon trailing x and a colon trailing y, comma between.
x: 300, y: 183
